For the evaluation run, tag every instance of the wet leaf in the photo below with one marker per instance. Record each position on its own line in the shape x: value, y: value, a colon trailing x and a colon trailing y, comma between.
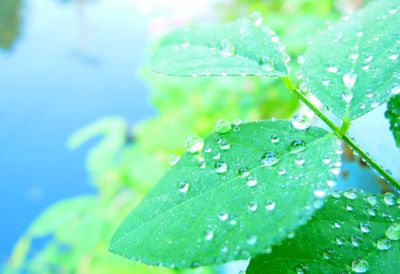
x: 353, y: 66
x: 393, y: 115
x: 237, y: 49
x: 217, y: 202
x: 353, y: 233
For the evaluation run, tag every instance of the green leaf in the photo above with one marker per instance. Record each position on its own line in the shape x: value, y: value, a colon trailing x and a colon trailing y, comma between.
x: 356, y: 58
x: 236, y: 49
x: 393, y: 115
x: 214, y: 206
x: 353, y: 232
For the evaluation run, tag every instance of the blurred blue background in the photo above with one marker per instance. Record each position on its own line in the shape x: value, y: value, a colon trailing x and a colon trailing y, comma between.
x: 67, y: 64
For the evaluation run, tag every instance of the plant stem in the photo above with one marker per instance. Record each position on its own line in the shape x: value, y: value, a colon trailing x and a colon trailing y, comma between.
x: 341, y: 133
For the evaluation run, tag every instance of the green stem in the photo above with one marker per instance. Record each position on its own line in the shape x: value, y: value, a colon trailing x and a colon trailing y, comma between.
x: 342, y: 133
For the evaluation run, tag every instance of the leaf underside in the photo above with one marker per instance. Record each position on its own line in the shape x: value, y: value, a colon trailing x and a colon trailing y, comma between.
x: 393, y: 115
x: 347, y: 235
x: 222, y: 217
x: 238, y: 48
x: 364, y: 48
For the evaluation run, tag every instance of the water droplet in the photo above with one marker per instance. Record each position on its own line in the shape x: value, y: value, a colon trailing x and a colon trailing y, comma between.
x: 393, y: 57
x: 300, y: 59
x: 372, y: 200
x: 349, y: 208
x: 299, y: 160
x: 223, y: 216
x: 337, y: 225
x: 326, y: 83
x: 359, y: 265
x: 389, y: 199
x: 194, y: 144
x: 224, y: 249
x: 222, y: 126
x: 252, y: 240
x: 327, y: 254
x: 281, y: 171
x: 331, y: 183
x: 301, y: 121
x: 347, y: 96
x: 220, y: 167
x: 372, y: 211
x: 327, y: 160
x: 393, y: 232
x: 395, y: 90
x: 355, y: 241
x: 349, y: 80
x: 243, y: 172
x: 332, y: 69
x: 216, y: 155
x: 270, y: 206
x: 257, y: 18
x: 369, y: 59
x: 340, y: 241
x: 252, y: 206
x: 270, y: 158
x: 227, y: 49
x: 208, y: 235
x: 275, y: 139
x: 173, y: 159
x: 183, y: 187
x: 185, y: 45
x: 251, y: 181
x: 297, y: 146
x: 383, y: 244
x: 365, y: 227
x: 266, y: 63
x: 224, y: 144
x: 335, y: 170
x: 350, y: 194
x: 319, y: 193
x: 301, y: 269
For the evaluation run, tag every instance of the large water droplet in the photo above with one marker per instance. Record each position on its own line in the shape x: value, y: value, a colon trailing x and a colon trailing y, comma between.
x: 227, y: 49
x: 266, y: 63
x: 257, y: 18
x: 270, y: 206
x: 383, y: 244
x: 301, y: 121
x: 350, y: 194
x: 251, y: 181
x: 208, y: 235
x: 301, y: 269
x: 194, y: 144
x: 365, y: 227
x: 252, y: 206
x: 372, y: 200
x: 224, y: 144
x: 393, y: 232
x: 220, y: 167
x: 349, y: 79
x: 355, y: 241
x: 183, y: 186
x: 270, y: 158
x: 297, y: 146
x: 395, y: 90
x: 347, y: 96
x: 223, y: 216
x: 327, y: 254
x: 173, y: 159
x: 359, y: 265
x: 389, y: 199
x: 222, y: 126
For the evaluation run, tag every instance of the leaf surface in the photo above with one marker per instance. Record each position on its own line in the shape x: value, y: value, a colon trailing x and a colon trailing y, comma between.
x: 353, y: 233
x: 238, y: 48
x: 219, y: 210
x: 353, y: 66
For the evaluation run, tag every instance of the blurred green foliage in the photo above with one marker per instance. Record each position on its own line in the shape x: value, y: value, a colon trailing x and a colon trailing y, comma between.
x: 128, y: 161
x: 10, y: 20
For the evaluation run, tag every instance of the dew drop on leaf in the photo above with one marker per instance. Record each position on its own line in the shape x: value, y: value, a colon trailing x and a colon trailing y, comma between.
x: 227, y: 49
x: 355, y: 241
x: 393, y: 232
x: 275, y: 139
x: 389, y: 199
x: 395, y: 89
x: 194, y: 144
x: 223, y: 216
x: 297, y: 146
x: 173, y: 159
x: 257, y: 19
x: 281, y: 171
x: 350, y: 194
x: 301, y: 269
x: 252, y: 240
x: 359, y: 265
x: 301, y: 121
x: 222, y: 127
x: 183, y: 186
x: 349, y: 79
x: 383, y: 244
x: 365, y: 227
x: 208, y: 235
x: 299, y: 160
x: 270, y: 158
x: 270, y: 206
x: 224, y: 144
x: 220, y: 167
x: 251, y: 181
x: 252, y: 206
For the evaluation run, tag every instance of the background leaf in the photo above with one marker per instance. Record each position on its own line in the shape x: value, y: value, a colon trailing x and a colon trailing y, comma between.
x: 237, y: 48
x: 353, y: 232
x: 356, y: 61
x: 393, y: 115
x: 216, y: 205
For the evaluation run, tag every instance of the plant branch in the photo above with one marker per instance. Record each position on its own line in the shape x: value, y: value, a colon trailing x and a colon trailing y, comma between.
x: 342, y: 133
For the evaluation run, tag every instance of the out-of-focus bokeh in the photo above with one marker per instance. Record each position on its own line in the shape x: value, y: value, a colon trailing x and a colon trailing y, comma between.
x: 86, y: 130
